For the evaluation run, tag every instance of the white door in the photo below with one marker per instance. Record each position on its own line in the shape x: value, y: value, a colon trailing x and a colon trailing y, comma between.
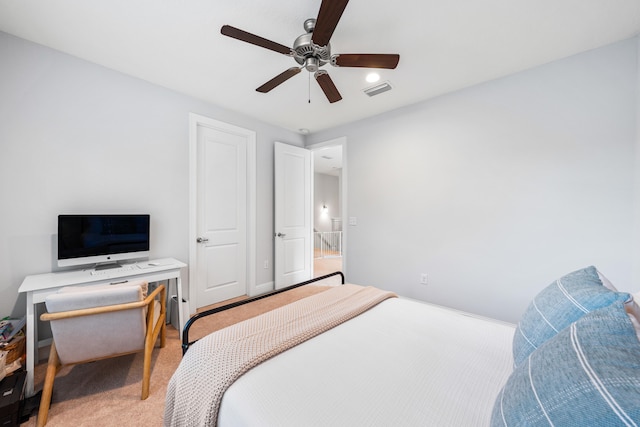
x: 292, y: 223
x: 222, y: 219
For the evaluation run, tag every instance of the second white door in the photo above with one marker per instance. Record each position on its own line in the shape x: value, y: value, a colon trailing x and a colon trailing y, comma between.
x: 293, y: 220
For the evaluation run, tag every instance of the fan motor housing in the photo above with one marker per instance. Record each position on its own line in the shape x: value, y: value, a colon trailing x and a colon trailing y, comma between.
x: 306, y: 53
x: 304, y: 48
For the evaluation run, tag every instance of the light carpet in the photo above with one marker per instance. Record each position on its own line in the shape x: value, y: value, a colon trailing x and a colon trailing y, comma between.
x: 107, y: 392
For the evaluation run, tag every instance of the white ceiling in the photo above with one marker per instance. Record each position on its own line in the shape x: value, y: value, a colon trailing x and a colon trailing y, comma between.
x: 444, y: 45
x: 328, y: 160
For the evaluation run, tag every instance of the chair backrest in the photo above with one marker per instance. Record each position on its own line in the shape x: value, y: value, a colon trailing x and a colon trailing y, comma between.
x: 97, y: 336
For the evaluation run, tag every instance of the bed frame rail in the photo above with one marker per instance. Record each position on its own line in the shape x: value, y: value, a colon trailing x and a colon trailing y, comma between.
x: 185, y: 332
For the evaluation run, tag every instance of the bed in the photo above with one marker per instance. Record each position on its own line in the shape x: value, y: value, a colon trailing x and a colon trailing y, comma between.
x: 399, y: 361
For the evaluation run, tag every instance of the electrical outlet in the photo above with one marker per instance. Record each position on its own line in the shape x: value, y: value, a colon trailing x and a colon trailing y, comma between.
x: 423, y: 279
x: 266, y: 263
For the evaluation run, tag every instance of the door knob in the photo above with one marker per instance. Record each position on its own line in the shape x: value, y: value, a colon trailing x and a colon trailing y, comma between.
x: 202, y: 239
x: 280, y: 234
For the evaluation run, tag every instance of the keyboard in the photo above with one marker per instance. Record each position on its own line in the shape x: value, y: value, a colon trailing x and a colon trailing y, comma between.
x: 122, y: 269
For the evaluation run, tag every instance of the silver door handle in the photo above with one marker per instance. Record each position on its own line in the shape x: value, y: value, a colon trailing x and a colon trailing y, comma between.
x: 202, y: 240
x: 280, y: 235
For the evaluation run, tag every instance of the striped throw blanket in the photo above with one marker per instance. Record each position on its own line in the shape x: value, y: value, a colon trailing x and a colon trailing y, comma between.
x: 212, y: 364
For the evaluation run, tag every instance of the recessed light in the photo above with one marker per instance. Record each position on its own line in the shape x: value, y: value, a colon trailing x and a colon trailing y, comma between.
x: 373, y: 77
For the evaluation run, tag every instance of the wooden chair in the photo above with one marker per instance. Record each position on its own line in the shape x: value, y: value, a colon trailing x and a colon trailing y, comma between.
x: 98, y: 322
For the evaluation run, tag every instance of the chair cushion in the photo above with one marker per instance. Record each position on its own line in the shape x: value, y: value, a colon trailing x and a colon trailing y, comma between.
x: 99, y: 335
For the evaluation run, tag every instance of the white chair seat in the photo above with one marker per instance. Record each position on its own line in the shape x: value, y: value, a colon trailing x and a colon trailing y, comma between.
x: 98, y: 322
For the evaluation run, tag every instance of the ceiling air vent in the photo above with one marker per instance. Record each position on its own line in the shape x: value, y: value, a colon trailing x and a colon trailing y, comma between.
x: 378, y: 89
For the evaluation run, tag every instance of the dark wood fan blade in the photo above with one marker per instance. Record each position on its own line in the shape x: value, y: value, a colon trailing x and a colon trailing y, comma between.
x: 239, y: 34
x: 366, y: 60
x: 278, y: 80
x: 329, y: 89
x: 327, y: 20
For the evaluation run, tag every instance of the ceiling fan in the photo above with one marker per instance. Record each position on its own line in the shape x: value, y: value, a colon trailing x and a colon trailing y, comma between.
x: 312, y: 50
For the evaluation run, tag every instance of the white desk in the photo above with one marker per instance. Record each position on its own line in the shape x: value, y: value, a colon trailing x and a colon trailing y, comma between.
x: 39, y: 286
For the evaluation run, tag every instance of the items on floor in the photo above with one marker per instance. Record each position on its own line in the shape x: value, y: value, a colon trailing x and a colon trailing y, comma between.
x: 12, y: 343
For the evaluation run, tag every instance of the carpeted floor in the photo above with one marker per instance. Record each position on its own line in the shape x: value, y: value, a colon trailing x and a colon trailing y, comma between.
x: 322, y: 266
x: 107, y: 392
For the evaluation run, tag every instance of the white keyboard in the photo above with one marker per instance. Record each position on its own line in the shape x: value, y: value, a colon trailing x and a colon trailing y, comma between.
x: 124, y: 268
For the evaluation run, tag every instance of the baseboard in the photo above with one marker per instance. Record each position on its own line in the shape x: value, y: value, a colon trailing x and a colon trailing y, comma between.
x: 261, y: 289
x: 45, y: 342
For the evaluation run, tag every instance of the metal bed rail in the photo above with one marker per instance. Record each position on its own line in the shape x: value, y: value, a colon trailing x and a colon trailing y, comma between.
x: 185, y: 332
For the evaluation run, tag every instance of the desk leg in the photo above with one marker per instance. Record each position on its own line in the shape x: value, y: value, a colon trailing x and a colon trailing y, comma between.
x: 180, y: 314
x: 31, y: 340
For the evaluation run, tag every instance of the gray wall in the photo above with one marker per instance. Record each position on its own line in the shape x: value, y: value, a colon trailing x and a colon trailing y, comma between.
x: 326, y: 191
x: 493, y: 191
x: 76, y: 137
x: 496, y: 190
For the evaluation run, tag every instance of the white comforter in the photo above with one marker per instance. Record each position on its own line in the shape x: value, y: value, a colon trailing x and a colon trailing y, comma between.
x: 402, y: 363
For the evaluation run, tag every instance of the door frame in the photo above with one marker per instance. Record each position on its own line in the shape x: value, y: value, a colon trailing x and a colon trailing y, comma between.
x: 342, y: 141
x: 196, y: 120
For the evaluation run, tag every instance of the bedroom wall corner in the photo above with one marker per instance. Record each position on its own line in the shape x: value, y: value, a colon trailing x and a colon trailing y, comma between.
x: 636, y: 210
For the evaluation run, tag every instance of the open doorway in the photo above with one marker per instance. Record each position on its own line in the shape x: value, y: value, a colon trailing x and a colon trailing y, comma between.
x: 329, y: 240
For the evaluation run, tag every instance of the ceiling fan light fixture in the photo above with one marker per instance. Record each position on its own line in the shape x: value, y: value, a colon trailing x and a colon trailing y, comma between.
x: 312, y: 64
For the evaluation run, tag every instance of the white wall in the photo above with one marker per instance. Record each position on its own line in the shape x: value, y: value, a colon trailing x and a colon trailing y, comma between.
x: 498, y: 189
x: 636, y: 230
x: 326, y: 192
x: 492, y: 191
x: 76, y: 137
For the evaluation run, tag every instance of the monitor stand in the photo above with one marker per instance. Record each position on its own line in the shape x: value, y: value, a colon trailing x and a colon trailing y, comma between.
x: 106, y: 266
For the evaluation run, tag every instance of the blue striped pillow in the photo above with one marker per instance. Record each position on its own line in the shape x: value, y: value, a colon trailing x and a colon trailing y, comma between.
x: 587, y: 375
x: 557, y: 306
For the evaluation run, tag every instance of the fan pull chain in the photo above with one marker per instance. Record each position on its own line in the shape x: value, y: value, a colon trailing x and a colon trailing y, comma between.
x: 309, y: 80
